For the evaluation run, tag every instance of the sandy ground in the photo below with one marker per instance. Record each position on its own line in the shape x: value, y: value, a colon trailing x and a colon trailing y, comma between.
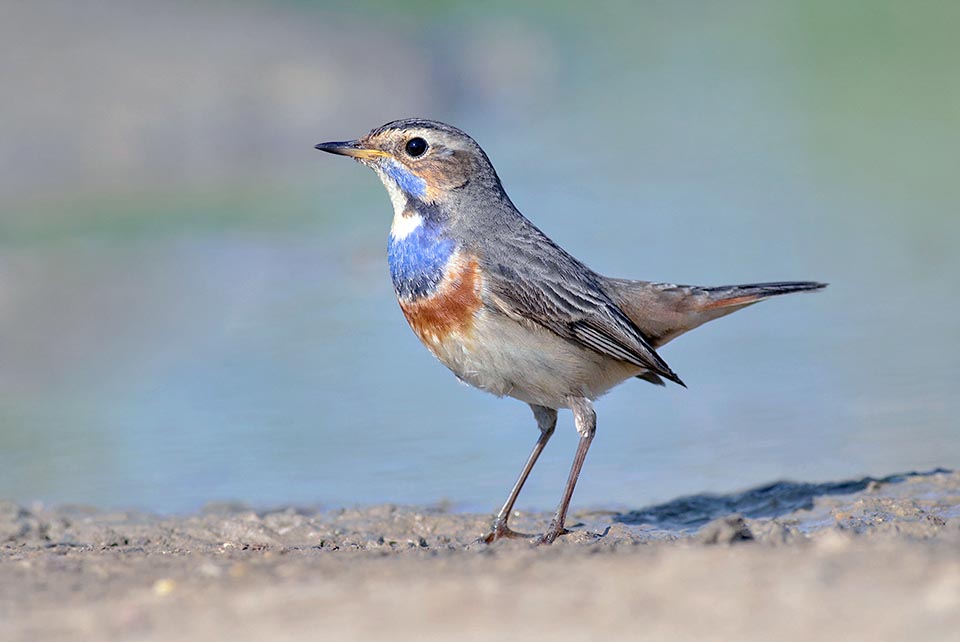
x: 862, y: 560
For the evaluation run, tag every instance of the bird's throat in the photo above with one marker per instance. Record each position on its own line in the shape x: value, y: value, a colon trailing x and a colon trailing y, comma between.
x: 418, y: 252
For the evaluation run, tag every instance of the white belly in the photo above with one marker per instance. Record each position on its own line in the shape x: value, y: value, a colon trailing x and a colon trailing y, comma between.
x: 529, y: 363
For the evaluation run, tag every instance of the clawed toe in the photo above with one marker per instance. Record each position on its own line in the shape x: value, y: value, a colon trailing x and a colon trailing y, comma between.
x: 502, y: 531
x: 551, y: 535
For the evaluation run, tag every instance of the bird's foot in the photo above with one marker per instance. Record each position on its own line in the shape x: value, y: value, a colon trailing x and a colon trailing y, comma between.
x: 501, y: 531
x: 555, y: 531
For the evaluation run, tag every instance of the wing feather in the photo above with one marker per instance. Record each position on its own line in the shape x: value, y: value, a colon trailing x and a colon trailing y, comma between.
x: 539, y: 282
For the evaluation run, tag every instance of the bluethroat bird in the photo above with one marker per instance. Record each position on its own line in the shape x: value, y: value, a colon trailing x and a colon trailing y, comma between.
x: 508, y: 310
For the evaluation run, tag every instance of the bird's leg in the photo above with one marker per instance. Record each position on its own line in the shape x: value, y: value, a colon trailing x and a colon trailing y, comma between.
x: 586, y: 422
x: 546, y: 422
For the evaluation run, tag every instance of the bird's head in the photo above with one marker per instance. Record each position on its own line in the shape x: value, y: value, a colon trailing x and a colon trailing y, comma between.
x: 421, y: 160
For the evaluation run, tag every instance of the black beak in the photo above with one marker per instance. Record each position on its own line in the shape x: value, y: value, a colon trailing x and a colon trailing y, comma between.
x: 338, y: 147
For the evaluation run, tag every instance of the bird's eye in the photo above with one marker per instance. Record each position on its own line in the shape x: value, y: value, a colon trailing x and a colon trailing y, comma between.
x: 416, y: 146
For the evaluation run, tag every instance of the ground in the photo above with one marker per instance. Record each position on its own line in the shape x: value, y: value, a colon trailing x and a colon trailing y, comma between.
x: 861, y: 560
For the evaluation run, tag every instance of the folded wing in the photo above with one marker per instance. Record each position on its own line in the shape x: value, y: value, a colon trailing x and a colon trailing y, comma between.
x: 542, y: 284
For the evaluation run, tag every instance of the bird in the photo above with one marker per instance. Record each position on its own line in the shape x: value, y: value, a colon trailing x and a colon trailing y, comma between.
x: 507, y: 309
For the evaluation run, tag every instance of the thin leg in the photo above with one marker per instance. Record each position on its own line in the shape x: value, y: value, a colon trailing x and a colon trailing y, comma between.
x: 586, y: 422
x: 546, y: 422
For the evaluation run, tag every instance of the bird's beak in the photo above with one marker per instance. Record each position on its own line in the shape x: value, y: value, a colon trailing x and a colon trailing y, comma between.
x: 351, y: 148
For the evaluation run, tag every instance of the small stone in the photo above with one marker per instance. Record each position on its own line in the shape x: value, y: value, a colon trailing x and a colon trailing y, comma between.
x: 725, y: 530
x: 164, y: 587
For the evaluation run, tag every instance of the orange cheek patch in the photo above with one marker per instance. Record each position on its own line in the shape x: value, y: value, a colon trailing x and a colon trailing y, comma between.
x: 442, y: 174
x: 451, y: 309
x: 432, y: 194
x: 433, y: 179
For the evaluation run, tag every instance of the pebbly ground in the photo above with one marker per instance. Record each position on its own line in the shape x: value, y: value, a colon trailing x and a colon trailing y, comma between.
x: 858, y: 560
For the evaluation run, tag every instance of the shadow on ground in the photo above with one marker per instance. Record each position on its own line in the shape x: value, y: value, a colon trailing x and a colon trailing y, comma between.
x: 771, y: 500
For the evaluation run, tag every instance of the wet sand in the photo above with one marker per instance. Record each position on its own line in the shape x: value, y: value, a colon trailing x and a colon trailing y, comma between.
x: 857, y: 560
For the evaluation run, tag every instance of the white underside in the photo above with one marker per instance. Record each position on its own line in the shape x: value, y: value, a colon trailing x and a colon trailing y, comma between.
x: 530, y: 363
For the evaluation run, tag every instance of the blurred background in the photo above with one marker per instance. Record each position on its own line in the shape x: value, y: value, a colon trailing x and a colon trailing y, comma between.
x: 195, y: 304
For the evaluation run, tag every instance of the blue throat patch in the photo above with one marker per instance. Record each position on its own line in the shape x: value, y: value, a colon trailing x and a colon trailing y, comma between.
x: 418, y: 261
x: 409, y: 182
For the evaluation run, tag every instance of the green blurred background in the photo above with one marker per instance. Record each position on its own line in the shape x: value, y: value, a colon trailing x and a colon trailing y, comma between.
x: 194, y: 304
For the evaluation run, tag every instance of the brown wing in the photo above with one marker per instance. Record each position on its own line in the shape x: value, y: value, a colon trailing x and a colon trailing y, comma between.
x: 568, y: 300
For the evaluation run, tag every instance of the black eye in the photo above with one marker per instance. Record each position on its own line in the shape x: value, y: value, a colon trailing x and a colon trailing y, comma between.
x: 416, y: 146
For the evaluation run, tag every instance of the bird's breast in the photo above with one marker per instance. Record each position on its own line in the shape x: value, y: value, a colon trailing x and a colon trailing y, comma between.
x: 444, y: 318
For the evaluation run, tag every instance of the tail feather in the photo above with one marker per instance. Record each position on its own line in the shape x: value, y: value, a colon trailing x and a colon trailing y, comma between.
x: 663, y: 311
x: 740, y: 295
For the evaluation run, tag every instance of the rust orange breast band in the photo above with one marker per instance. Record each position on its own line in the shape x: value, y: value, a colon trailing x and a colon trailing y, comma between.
x: 452, y: 307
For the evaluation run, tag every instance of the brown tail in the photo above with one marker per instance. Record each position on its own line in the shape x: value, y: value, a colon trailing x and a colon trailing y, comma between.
x: 723, y: 296
x: 664, y: 311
